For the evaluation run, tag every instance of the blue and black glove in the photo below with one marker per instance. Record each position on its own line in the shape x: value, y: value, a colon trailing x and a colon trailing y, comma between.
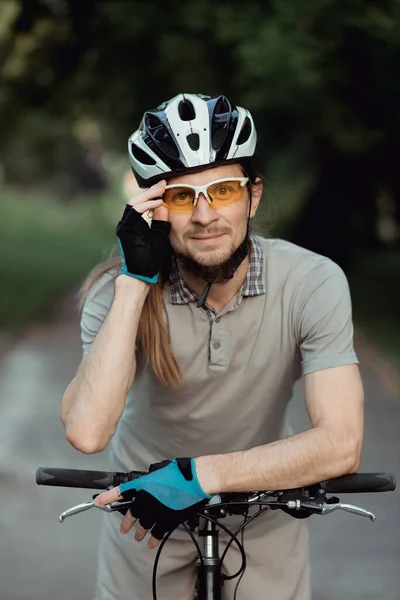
x: 166, y: 497
x: 145, y: 250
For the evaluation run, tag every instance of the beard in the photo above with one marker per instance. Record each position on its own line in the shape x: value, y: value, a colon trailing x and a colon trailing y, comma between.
x: 220, y: 272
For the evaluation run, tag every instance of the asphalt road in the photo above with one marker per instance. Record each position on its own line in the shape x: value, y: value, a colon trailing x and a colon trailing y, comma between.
x: 40, y: 559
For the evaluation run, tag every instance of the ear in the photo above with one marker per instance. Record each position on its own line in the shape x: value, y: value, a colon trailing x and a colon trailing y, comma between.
x: 257, y: 189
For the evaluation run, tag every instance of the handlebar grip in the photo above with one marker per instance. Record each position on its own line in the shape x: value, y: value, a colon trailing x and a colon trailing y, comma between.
x: 359, y: 483
x: 78, y: 478
x: 99, y: 480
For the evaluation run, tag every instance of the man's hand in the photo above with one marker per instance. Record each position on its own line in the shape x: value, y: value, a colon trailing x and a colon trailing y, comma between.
x: 145, y: 250
x: 169, y: 495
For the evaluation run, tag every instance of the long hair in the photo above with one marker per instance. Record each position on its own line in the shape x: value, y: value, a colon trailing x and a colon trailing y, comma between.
x: 152, y: 337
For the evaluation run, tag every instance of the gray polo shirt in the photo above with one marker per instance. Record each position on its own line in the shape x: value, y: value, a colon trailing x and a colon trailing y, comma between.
x: 292, y: 316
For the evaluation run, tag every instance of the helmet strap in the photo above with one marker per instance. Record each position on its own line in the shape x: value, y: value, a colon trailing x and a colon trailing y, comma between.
x: 203, y: 296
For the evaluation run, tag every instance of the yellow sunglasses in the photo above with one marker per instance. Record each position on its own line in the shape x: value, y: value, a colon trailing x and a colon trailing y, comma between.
x: 183, y: 198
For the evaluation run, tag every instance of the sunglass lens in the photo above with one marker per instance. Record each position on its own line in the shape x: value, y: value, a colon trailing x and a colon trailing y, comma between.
x: 179, y: 198
x: 224, y: 192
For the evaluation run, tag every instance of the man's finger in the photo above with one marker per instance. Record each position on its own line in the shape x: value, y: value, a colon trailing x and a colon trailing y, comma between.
x: 112, y: 495
x: 143, y: 207
x: 140, y: 533
x: 127, y: 522
x: 161, y: 213
x: 153, y: 543
x: 155, y: 191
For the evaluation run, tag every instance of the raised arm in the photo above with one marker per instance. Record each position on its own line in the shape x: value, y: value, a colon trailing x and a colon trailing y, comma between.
x: 95, y: 399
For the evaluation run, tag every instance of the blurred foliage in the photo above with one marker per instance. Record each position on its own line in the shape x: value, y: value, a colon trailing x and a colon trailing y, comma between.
x: 322, y: 68
x: 320, y: 78
x: 46, y: 248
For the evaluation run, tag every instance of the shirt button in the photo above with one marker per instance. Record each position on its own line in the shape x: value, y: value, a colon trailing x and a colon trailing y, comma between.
x: 216, y: 345
x: 217, y: 320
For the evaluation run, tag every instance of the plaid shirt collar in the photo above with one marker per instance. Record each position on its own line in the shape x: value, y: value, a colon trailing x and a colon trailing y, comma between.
x: 253, y: 285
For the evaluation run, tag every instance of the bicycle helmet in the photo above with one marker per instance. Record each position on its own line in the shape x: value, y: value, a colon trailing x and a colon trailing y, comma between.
x: 189, y: 133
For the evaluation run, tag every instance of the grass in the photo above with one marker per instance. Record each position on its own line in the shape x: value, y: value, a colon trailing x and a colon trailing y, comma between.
x: 46, y: 248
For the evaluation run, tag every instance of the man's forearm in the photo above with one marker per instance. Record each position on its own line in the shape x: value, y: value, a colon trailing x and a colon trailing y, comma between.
x: 95, y: 399
x: 309, y: 457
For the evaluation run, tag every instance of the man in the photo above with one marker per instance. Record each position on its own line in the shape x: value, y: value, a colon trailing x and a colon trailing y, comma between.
x: 194, y: 353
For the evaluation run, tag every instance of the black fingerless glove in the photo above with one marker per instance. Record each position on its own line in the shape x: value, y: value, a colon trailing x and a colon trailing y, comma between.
x: 145, y: 250
x: 167, y: 496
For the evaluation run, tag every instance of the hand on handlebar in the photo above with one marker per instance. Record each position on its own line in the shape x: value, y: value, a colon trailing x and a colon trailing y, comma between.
x: 169, y: 495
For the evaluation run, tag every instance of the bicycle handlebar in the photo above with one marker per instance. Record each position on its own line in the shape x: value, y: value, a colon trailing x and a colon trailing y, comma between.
x: 102, y: 480
x: 298, y: 502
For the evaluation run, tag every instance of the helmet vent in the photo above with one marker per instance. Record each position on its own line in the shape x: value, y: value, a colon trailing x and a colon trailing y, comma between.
x: 245, y: 132
x: 168, y: 148
x: 222, y: 106
x: 186, y: 110
x: 218, y: 137
x: 152, y: 122
x: 142, y: 156
x: 193, y: 140
x: 157, y: 130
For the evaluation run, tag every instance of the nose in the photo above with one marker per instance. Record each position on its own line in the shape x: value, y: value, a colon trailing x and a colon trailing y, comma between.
x: 204, y: 214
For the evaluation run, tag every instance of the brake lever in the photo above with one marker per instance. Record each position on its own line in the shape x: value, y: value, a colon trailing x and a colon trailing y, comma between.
x: 326, y: 509
x: 74, y: 510
x: 355, y: 510
x: 84, y: 506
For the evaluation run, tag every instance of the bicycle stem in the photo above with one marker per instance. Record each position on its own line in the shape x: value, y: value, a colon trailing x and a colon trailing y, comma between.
x: 209, y: 567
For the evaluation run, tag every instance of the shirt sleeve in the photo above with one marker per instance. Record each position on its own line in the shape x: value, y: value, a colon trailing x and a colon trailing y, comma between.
x: 95, y: 309
x: 324, y: 323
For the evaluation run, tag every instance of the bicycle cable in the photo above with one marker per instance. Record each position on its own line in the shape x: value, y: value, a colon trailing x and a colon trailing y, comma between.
x: 233, y: 537
x: 157, y: 559
x: 243, y: 572
x: 242, y: 566
x: 165, y: 539
x: 248, y: 520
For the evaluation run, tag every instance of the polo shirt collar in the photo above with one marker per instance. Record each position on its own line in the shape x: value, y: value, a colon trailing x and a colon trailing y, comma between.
x: 253, y: 285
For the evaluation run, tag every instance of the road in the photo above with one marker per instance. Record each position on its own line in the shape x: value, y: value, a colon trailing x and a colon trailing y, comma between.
x: 352, y: 558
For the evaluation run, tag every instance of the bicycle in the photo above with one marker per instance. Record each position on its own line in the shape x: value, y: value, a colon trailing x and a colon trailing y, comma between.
x: 297, y: 502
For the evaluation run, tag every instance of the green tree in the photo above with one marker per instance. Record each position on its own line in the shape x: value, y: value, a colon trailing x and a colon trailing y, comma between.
x: 319, y: 76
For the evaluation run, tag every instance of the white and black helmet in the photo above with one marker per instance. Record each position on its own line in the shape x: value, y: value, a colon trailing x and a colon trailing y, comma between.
x: 188, y: 133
